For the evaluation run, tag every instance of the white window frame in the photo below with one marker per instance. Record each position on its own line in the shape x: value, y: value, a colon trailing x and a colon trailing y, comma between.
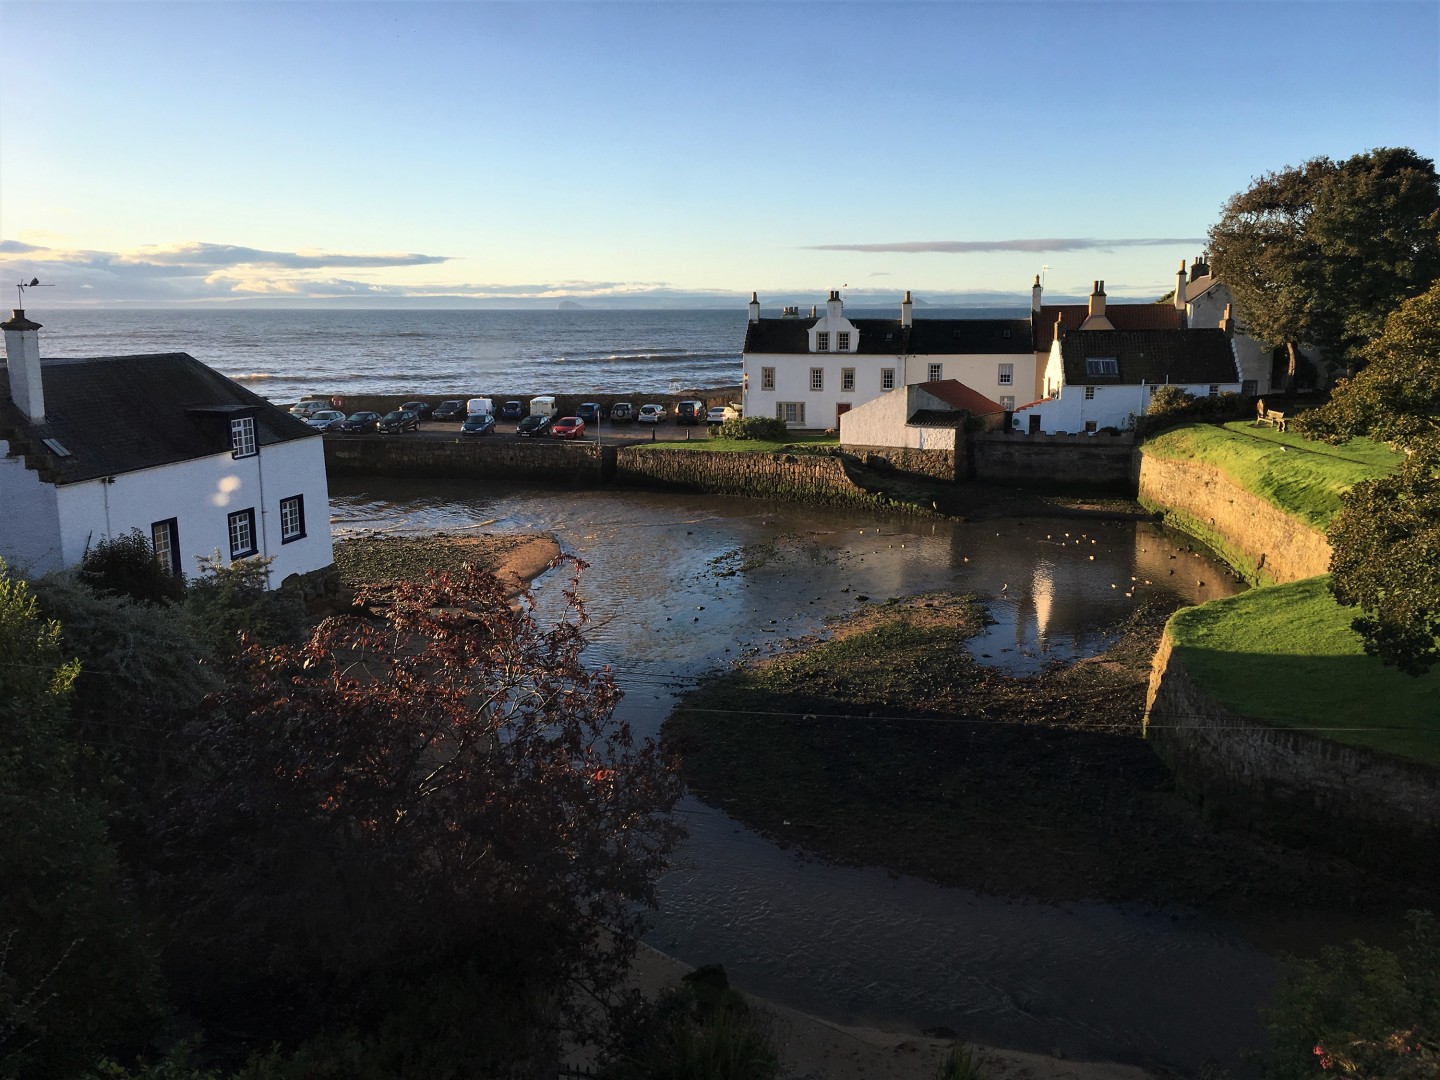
x: 1089, y: 393
x: 842, y: 341
x: 822, y: 341
x: 791, y: 412
x: 242, y: 437
x: 165, y: 542
x: 1214, y: 390
x: 1007, y: 402
x: 887, y: 378
x: 767, y: 378
x: 847, y: 380
x: 241, y: 527
x: 292, y: 519
x: 935, y: 372
x: 1091, y: 427
x: 1005, y: 375
x: 817, y: 379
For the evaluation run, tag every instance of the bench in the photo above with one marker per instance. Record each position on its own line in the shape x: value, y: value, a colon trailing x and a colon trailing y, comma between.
x: 1274, y: 417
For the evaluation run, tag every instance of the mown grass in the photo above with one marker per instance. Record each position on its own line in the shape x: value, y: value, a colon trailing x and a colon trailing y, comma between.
x: 1286, y: 655
x: 1301, y: 477
x: 703, y: 442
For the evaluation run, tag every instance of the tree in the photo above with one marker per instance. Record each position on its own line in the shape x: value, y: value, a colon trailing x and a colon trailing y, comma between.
x: 1396, y: 398
x: 441, y: 782
x: 1323, y: 252
x: 125, y: 565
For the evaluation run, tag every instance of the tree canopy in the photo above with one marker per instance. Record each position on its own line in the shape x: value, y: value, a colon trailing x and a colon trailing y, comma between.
x: 1321, y: 253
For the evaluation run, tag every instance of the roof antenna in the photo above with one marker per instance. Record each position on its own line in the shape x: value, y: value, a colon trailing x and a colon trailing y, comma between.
x: 33, y: 283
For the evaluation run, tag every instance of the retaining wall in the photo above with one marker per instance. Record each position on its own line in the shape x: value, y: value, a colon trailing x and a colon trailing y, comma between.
x: 577, y: 464
x: 802, y: 477
x: 1366, y: 805
x: 944, y: 465
x: 1266, y: 545
x: 1054, y: 460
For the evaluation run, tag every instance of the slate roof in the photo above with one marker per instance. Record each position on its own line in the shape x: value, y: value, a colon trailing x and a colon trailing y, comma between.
x: 925, y: 337
x: 120, y: 414
x: 936, y: 418
x: 1151, y: 356
x: 1121, y: 316
x: 959, y: 396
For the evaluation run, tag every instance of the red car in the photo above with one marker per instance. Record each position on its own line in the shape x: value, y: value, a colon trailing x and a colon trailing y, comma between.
x: 568, y: 427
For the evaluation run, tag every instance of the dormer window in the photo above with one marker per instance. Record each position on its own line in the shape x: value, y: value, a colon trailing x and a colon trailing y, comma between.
x: 842, y: 340
x: 822, y: 341
x: 1102, y: 365
x: 242, y: 437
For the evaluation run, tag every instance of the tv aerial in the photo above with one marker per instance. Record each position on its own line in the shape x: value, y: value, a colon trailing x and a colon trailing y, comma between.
x: 33, y: 283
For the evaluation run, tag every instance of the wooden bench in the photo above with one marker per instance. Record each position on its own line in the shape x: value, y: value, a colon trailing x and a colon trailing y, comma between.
x: 1274, y: 417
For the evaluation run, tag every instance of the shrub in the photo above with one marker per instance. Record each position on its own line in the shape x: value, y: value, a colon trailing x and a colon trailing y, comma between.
x: 125, y: 566
x: 963, y: 1062
x: 766, y: 428
x: 1168, y: 399
x: 236, y: 599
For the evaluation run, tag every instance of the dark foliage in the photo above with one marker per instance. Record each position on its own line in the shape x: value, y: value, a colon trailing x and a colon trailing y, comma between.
x: 126, y: 566
x: 765, y: 428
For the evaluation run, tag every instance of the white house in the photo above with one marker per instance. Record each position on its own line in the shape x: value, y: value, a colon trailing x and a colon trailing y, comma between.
x: 93, y: 448
x: 1099, y: 379
x: 922, y: 416
x: 811, y: 371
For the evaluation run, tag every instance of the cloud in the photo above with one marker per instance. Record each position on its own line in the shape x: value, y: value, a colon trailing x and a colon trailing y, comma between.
x: 961, y: 247
x: 212, y: 255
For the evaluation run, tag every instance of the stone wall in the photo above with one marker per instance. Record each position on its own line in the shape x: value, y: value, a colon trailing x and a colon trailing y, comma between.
x: 1371, y: 807
x: 550, y: 460
x: 1089, y: 460
x: 1266, y: 545
x: 800, y: 477
x: 944, y: 465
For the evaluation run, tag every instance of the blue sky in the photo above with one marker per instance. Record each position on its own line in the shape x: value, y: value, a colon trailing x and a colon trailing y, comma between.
x: 680, y: 152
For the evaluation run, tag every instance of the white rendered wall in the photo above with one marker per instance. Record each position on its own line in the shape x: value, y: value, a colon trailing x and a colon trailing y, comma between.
x: 1112, y: 406
x: 792, y: 383
x: 29, y: 518
x: 879, y: 422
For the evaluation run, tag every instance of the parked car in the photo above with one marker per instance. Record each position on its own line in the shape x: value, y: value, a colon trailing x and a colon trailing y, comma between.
x: 512, y: 410
x: 534, y: 425
x: 720, y: 413
x: 689, y: 412
x: 478, y: 423
x: 590, y: 412
x: 454, y: 409
x: 422, y: 409
x: 326, y: 420
x: 307, y: 409
x: 651, y: 414
x: 622, y: 412
x: 393, y: 423
x: 568, y: 427
x: 360, y: 421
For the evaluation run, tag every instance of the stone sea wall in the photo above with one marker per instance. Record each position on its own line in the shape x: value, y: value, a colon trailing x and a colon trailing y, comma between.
x: 1054, y: 460
x: 944, y: 465
x: 798, y: 477
x: 1371, y: 807
x: 578, y: 464
x: 1266, y: 545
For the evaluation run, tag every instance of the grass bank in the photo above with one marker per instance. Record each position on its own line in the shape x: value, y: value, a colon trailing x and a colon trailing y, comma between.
x: 1298, y: 476
x: 1286, y: 655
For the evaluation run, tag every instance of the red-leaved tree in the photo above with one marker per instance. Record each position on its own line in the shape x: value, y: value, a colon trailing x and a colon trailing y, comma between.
x: 442, y: 782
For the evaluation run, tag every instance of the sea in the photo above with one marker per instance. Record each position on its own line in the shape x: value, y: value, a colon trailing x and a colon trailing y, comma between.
x: 285, y: 354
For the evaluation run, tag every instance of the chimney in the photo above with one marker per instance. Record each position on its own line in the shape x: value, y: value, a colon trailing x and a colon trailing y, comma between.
x: 1200, y: 267
x: 1180, y: 287
x: 1059, y: 326
x: 22, y: 351
x: 907, y: 315
x: 1097, y: 301
x: 1035, y: 291
x: 754, y: 307
x: 812, y: 311
x: 1227, y: 321
x: 833, y: 305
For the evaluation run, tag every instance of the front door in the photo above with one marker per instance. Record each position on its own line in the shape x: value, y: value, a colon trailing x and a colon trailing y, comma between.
x: 1034, y: 424
x: 840, y: 410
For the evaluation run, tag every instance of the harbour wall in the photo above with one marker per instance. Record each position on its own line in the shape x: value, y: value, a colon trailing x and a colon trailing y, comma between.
x: 552, y: 461
x: 822, y: 478
x: 1106, y: 461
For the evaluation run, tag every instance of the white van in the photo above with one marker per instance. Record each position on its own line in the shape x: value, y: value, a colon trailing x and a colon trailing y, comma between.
x: 479, y: 405
x: 543, y: 405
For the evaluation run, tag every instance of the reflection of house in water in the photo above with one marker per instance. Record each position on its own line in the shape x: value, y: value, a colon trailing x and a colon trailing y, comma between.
x: 1036, y: 601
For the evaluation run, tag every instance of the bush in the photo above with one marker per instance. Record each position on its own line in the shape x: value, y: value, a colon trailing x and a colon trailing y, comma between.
x: 236, y: 599
x: 125, y: 566
x: 765, y: 428
x: 963, y: 1062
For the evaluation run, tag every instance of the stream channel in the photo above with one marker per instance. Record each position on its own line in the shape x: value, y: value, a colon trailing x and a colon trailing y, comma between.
x: 681, y: 584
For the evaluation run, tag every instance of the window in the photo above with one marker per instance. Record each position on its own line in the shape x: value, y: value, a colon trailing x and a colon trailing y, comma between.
x: 292, y: 518
x: 847, y: 379
x: 242, y: 436
x: 1214, y: 390
x: 792, y: 412
x: 767, y: 378
x: 1090, y: 427
x: 1006, y: 374
x: 165, y: 539
x: 817, y: 378
x: 887, y: 378
x: 1089, y: 393
x: 842, y: 341
x: 242, y: 533
x: 1250, y: 387
x: 1102, y: 365
x: 1007, y: 402
x: 822, y: 341
x: 935, y: 372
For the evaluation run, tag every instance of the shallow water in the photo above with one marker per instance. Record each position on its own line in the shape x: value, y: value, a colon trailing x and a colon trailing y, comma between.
x: 681, y: 584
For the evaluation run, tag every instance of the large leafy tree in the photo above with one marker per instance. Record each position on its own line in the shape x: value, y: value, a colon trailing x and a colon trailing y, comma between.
x: 1323, y: 252
x: 444, y: 783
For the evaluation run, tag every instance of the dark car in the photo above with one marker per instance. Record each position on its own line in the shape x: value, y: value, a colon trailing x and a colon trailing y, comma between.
x: 392, y: 423
x: 690, y: 412
x: 454, y: 409
x: 479, y: 423
x: 360, y: 421
x: 622, y: 412
x: 534, y: 425
x: 590, y: 412
x: 422, y: 409
x: 512, y: 410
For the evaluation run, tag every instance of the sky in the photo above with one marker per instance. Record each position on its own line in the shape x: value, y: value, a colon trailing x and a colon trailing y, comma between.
x: 681, y: 153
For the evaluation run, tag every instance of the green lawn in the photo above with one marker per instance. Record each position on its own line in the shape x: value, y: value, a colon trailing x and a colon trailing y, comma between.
x: 709, y: 445
x: 1303, y: 478
x: 1286, y: 655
